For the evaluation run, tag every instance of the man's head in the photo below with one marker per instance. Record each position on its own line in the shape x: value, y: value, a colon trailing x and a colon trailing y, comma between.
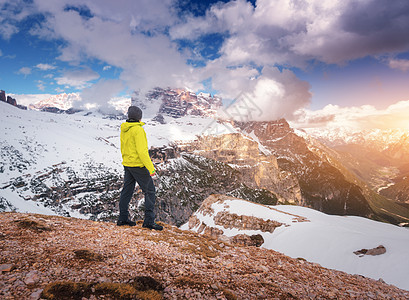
x: 134, y: 113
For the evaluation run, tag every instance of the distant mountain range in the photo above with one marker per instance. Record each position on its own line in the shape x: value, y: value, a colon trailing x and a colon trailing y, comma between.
x: 69, y: 163
x: 380, y: 158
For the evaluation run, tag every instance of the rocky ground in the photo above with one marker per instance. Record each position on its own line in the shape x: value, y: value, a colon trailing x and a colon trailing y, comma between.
x: 66, y: 258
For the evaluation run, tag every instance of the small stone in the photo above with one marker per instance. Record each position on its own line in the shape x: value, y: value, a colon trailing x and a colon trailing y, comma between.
x: 36, y: 294
x: 6, y: 268
x: 31, y: 278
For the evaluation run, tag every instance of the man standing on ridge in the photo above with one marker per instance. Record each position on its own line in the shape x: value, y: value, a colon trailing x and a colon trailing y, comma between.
x: 138, y: 168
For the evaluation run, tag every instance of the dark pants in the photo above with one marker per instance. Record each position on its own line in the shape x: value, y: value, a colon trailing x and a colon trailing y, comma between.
x: 144, y: 179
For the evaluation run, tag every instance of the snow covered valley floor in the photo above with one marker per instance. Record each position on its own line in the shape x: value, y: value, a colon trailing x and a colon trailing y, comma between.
x: 324, y: 239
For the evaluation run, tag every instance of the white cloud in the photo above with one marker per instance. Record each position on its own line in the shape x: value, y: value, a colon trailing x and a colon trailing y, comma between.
x: 7, y: 30
x: 270, y: 96
x: 45, y: 67
x: 106, y: 68
x: 401, y: 64
x: 79, y: 78
x: 40, y: 85
x: 12, y: 12
x: 99, y: 94
x: 24, y: 70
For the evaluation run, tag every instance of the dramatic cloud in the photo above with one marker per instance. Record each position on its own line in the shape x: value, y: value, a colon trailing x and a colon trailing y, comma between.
x: 130, y: 36
x: 293, y: 32
x: 150, y: 43
x: 79, y: 78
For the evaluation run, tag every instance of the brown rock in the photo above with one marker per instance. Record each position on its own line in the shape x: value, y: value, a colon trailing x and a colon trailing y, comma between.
x: 31, y: 278
x: 2, y: 96
x: 6, y: 268
x: 377, y: 251
x: 246, y: 240
x: 374, y: 251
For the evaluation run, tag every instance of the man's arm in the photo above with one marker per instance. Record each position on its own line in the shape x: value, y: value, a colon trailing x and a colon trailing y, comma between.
x: 142, y: 150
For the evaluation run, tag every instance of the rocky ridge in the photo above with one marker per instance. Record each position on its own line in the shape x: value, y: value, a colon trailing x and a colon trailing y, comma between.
x: 323, y: 186
x: 45, y: 256
x: 179, y: 102
x: 258, y: 169
x: 10, y: 100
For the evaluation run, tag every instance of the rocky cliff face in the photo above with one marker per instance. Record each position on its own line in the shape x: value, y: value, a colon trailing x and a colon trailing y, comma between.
x: 323, y: 187
x: 257, y: 169
x: 178, y: 102
x: 50, y: 257
x: 10, y: 100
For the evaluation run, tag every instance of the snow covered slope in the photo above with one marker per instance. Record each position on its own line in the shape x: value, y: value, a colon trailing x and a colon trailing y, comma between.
x: 320, y: 238
x: 42, y: 151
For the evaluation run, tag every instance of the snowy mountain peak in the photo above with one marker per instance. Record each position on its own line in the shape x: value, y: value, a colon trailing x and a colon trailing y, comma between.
x: 179, y: 102
x: 377, y: 138
x: 62, y: 101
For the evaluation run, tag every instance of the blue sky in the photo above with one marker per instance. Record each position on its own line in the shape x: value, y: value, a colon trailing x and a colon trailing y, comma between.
x: 288, y: 55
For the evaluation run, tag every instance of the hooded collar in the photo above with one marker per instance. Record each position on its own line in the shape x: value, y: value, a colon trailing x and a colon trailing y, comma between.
x: 135, y: 121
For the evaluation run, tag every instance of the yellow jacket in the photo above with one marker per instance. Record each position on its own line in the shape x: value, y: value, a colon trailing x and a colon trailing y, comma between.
x: 134, y: 146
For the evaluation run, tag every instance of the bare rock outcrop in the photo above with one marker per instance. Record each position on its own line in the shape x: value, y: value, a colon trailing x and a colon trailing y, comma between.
x: 228, y: 220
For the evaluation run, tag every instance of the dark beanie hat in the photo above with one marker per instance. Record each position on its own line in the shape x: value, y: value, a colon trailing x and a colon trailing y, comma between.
x: 135, y: 113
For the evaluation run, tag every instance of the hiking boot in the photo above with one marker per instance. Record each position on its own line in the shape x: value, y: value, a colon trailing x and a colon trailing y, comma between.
x: 128, y: 223
x: 153, y: 226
